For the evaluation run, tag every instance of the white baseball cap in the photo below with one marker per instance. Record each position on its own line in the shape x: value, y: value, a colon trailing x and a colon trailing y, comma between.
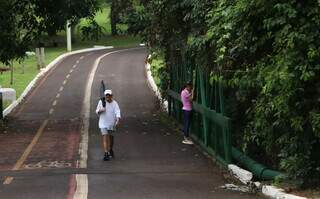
x: 108, y: 92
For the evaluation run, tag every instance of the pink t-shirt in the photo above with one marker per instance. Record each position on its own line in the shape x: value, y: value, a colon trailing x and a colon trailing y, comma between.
x: 187, y: 105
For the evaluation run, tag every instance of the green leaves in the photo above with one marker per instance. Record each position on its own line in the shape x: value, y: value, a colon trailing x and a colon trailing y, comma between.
x: 268, y: 53
x: 22, y: 22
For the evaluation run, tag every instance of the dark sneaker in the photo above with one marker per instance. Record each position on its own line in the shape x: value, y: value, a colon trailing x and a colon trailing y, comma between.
x: 111, y: 153
x: 106, y: 157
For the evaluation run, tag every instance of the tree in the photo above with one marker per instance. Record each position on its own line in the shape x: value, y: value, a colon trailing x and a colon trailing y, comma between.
x: 22, y: 22
x: 118, y: 12
x: 18, y: 27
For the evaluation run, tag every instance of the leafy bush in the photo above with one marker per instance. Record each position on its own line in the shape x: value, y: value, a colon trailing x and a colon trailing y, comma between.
x: 93, y: 31
x: 268, y: 53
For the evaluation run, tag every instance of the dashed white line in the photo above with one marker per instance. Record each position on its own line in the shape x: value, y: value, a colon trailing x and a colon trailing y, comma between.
x: 71, y: 71
x: 61, y: 88
x: 74, y: 66
x: 64, y: 82
x: 68, y: 76
x: 77, y: 62
x: 54, y: 103
x: 81, y: 57
x: 58, y: 95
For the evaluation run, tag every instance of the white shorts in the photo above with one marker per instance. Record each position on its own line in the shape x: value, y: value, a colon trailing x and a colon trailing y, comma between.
x: 106, y: 131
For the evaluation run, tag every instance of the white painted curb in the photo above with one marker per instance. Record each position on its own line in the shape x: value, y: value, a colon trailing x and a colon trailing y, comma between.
x: 154, y: 86
x: 277, y: 193
x: 243, y: 175
x: 270, y: 191
x: 43, y: 71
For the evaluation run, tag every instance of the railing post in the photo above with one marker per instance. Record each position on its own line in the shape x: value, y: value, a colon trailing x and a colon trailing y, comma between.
x: 204, y: 103
x: 227, y: 141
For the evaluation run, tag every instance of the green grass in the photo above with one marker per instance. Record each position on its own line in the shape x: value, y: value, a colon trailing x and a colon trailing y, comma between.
x: 21, y: 80
x: 156, y: 64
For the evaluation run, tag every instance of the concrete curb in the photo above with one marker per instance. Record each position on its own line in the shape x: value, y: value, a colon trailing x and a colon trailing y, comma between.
x: 43, y: 71
x: 241, y: 174
x: 270, y: 191
x: 154, y: 87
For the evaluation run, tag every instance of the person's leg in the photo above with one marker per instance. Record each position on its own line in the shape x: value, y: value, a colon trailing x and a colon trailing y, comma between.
x: 186, y: 126
x: 188, y: 115
x: 104, y: 142
x: 108, y: 142
x: 186, y: 123
x: 105, y: 147
x: 111, y: 145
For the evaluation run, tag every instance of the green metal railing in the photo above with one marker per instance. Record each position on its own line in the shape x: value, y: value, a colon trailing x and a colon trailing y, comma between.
x: 209, y: 127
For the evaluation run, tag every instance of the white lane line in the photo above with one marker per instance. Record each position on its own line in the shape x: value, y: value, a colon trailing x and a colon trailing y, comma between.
x: 64, y: 82
x: 81, y: 57
x: 51, y: 111
x: 54, y: 103
x: 67, y: 77
x: 71, y: 71
x: 82, y: 179
x: 58, y: 95
x: 77, y: 62
x: 74, y: 66
x: 61, y: 89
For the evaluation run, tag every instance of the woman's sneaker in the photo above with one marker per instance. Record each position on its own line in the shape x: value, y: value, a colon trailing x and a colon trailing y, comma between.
x: 187, y: 141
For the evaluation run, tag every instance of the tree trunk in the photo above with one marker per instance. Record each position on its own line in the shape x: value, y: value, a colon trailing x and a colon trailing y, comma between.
x: 114, y: 17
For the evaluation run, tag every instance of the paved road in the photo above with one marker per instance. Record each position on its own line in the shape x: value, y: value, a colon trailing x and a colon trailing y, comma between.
x: 44, y: 135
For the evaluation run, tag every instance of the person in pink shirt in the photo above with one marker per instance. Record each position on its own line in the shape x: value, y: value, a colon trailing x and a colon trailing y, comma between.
x: 186, y: 98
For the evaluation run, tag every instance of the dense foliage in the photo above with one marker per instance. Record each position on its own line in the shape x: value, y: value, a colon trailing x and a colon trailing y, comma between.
x: 268, y: 53
x: 22, y: 22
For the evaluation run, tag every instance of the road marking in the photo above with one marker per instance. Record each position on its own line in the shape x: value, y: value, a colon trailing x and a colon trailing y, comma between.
x: 71, y: 71
x: 82, y: 180
x: 54, y: 103
x: 28, y: 150
x: 81, y: 187
x: 81, y: 57
x: 58, y: 95
x: 61, y: 88
x: 51, y: 111
x: 64, y: 82
x: 77, y: 62
x: 68, y: 76
x: 74, y: 66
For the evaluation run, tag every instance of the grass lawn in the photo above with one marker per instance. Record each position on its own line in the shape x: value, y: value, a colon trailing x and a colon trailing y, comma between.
x: 21, y: 80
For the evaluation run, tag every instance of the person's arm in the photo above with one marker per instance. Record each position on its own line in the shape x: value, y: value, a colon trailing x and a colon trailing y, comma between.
x: 100, y: 108
x: 191, y: 95
x: 117, y: 113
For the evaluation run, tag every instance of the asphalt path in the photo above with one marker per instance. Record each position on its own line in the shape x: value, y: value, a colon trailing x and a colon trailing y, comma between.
x: 150, y: 162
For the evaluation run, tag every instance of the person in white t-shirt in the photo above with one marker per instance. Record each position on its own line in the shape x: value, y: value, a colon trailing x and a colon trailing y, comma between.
x: 109, y: 118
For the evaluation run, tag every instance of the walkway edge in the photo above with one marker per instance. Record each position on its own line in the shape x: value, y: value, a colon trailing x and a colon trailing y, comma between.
x: 153, y: 85
x: 43, y: 71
